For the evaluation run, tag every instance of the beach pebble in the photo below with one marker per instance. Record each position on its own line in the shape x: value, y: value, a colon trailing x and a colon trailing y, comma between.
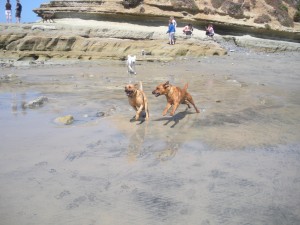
x: 66, y: 120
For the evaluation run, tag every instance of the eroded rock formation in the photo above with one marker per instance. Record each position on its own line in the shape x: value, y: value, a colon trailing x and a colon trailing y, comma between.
x: 44, y: 42
x: 264, y: 18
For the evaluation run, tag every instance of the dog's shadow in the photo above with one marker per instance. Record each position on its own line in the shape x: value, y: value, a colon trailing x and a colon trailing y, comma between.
x: 141, y: 120
x: 176, y: 118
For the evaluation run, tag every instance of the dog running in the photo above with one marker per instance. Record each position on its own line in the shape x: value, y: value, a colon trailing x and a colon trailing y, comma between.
x: 137, y: 99
x: 175, y: 96
x: 131, y: 64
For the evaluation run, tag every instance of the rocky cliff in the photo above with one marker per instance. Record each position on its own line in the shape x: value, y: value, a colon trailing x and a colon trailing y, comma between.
x: 263, y: 18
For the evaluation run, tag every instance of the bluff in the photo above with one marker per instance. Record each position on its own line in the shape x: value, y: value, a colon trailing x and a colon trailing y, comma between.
x: 264, y: 18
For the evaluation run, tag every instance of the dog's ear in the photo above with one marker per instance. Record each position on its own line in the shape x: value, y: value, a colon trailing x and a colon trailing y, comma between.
x: 166, y: 84
x: 136, y: 85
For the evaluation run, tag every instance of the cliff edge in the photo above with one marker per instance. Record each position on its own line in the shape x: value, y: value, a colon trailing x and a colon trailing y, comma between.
x: 265, y: 18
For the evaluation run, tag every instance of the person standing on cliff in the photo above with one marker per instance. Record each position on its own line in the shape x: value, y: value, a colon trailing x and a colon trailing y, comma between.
x: 173, y: 21
x: 8, y: 11
x: 171, y: 32
x: 18, y: 11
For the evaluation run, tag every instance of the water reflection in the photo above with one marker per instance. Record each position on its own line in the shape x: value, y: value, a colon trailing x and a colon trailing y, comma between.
x: 165, y: 148
x: 18, y: 104
x: 136, y: 141
x: 14, y: 103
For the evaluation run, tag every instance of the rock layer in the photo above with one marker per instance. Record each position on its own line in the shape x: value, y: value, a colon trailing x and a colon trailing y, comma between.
x: 79, y: 42
x: 238, y: 17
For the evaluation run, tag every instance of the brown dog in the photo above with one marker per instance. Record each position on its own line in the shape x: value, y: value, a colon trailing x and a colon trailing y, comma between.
x: 175, y: 96
x: 137, y: 99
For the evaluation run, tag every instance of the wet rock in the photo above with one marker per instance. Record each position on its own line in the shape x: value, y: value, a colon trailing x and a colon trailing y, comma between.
x: 40, y: 101
x: 100, y: 114
x: 8, y: 77
x: 66, y: 120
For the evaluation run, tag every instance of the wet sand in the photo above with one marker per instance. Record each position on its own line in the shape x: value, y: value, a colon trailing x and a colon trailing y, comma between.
x: 237, y: 162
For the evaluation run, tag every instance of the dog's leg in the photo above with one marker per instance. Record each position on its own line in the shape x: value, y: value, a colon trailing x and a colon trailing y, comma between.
x: 166, y: 109
x: 175, y: 106
x: 190, y: 100
x: 146, y: 110
x: 131, y: 70
x: 138, y: 112
x: 135, y: 109
x: 187, y: 103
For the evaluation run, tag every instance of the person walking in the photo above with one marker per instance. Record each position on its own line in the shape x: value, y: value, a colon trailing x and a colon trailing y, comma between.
x: 8, y: 11
x: 18, y: 11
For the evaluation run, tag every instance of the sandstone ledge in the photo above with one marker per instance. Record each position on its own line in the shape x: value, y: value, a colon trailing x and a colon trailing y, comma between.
x: 91, y: 40
x: 98, y: 40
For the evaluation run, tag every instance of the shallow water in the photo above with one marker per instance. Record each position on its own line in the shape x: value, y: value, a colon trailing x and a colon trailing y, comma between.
x: 237, y: 162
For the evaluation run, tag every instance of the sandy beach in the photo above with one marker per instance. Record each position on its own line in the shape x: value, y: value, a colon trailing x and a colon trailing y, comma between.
x: 237, y: 162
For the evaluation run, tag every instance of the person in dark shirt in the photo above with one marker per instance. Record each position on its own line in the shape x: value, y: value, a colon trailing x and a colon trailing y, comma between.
x: 8, y: 11
x: 18, y: 11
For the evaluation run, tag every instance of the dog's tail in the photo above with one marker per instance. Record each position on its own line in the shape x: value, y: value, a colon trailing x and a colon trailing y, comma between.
x: 141, y: 86
x: 185, y: 87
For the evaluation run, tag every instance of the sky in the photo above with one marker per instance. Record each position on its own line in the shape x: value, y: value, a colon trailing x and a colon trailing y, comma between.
x: 27, y: 14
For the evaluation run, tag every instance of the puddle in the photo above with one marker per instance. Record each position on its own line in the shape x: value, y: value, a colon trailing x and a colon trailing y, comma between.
x: 13, y: 103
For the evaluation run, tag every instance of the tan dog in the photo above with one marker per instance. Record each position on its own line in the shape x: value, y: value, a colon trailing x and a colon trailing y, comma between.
x: 137, y: 99
x: 175, y: 96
